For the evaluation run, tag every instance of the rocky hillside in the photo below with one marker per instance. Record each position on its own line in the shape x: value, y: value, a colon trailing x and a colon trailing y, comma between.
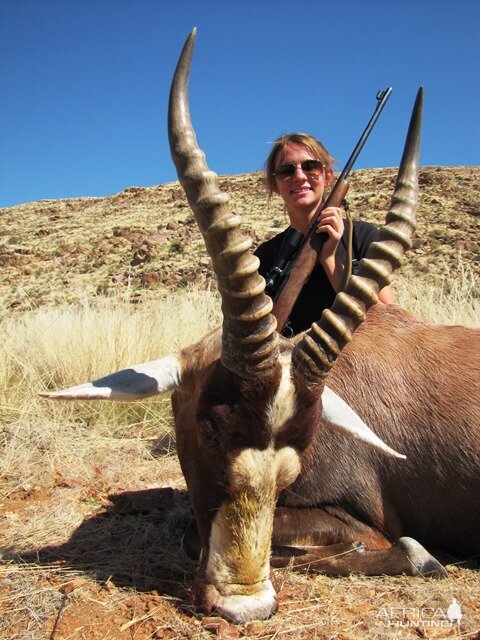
x: 143, y: 241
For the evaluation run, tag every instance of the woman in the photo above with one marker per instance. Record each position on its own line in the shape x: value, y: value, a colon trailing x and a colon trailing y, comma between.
x: 299, y: 170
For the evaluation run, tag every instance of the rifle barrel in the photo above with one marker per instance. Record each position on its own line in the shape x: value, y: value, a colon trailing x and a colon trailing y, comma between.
x: 382, y: 97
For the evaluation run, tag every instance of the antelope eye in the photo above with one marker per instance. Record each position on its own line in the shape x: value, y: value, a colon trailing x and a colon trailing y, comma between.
x: 208, y: 430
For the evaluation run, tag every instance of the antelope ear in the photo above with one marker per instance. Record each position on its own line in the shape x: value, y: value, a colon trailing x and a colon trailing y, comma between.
x: 344, y: 419
x: 139, y: 381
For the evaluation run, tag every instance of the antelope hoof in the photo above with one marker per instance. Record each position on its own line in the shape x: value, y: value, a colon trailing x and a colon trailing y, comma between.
x: 422, y: 563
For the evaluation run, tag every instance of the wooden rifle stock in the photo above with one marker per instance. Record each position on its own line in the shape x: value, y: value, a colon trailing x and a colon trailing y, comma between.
x: 305, y: 259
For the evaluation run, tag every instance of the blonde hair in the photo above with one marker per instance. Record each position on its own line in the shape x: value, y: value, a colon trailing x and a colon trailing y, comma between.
x: 314, y: 146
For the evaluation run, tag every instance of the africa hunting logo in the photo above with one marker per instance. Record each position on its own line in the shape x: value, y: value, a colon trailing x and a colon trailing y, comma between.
x: 424, y: 617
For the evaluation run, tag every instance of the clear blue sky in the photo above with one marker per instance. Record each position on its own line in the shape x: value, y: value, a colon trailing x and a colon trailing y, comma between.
x: 84, y: 85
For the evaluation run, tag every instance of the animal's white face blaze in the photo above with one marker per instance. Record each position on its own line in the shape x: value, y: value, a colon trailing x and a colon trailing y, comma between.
x: 239, y: 546
x: 283, y: 406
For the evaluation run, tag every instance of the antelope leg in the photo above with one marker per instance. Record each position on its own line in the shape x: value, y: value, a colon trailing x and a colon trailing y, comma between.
x: 336, y: 544
x: 407, y: 557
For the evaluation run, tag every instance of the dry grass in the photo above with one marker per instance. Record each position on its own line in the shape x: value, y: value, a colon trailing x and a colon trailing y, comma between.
x: 454, y: 297
x: 57, y: 347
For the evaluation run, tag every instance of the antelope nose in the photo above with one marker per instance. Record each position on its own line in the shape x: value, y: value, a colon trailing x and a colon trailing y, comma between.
x: 238, y: 608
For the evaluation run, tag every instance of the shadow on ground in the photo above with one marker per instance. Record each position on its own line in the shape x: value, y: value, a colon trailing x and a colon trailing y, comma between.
x: 136, y: 542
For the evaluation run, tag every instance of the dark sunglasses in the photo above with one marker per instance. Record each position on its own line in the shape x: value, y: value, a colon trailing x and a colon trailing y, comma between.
x: 312, y: 168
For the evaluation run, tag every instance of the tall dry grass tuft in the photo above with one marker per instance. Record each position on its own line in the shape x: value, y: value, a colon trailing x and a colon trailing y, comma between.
x: 58, y: 347
x: 454, y: 298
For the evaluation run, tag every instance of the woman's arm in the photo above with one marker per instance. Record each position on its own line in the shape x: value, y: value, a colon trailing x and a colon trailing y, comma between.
x: 386, y: 295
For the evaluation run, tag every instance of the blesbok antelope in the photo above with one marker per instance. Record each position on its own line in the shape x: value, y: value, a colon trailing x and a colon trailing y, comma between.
x: 272, y: 434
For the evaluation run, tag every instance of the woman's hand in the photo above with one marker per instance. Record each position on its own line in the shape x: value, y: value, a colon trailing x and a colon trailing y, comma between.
x: 331, y: 223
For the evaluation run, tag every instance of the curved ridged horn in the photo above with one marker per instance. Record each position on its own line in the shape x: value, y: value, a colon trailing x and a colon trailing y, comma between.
x: 250, y: 340
x: 316, y: 353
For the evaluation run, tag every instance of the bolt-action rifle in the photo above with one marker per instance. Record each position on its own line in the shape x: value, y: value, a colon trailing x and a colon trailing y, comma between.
x: 299, y: 253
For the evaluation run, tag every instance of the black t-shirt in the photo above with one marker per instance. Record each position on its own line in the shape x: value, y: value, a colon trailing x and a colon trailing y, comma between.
x: 317, y: 293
